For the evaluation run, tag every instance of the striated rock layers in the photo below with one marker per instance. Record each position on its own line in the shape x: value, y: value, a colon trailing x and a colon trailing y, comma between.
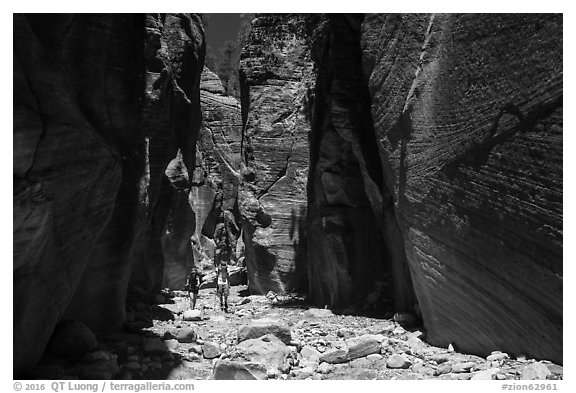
x: 435, y: 163
x: 469, y: 110
x: 101, y: 105
x: 215, y: 181
x: 351, y: 222
x: 276, y: 78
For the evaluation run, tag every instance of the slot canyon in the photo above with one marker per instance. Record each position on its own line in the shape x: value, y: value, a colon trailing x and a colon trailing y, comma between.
x: 401, y: 173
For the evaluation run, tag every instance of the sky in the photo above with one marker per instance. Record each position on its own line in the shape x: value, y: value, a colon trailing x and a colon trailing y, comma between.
x: 221, y: 28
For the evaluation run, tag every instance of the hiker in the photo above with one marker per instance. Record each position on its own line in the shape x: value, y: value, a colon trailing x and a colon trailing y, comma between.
x: 192, y: 285
x: 223, y: 285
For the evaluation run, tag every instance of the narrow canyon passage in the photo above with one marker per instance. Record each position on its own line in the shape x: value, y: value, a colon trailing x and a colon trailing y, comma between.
x: 393, y: 172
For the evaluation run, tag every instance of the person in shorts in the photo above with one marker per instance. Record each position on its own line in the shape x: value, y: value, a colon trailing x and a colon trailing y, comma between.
x: 193, y: 284
x: 223, y: 285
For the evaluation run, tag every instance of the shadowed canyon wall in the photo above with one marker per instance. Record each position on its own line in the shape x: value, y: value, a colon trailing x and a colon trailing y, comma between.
x: 102, y: 103
x: 420, y: 151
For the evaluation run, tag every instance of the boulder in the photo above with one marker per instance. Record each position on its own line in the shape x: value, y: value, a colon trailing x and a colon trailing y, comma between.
x: 335, y: 355
x: 486, y: 374
x: 183, y: 335
x: 154, y: 346
x: 302, y: 373
x: 238, y: 370
x: 268, y: 350
x: 318, y: 313
x: 260, y: 327
x: 192, y: 315
x: 364, y: 345
x: 211, y: 350
x: 444, y: 368
x: 308, y: 352
x: 324, y: 368
x: 398, y: 361
x: 534, y: 371
x: 171, y: 344
x: 71, y: 338
x: 494, y: 357
x: 102, y: 369
x: 462, y: 367
x: 354, y: 348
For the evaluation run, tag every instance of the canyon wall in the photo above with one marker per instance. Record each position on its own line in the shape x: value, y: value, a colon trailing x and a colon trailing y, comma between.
x: 435, y: 167
x: 469, y: 110
x: 276, y: 78
x: 356, y: 244
x: 102, y: 103
x: 216, y: 178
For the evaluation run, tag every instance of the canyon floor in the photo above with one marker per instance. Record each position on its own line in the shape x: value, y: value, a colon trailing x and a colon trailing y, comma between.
x: 160, y: 344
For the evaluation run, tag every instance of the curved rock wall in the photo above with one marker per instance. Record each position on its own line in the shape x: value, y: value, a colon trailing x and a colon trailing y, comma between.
x: 276, y: 77
x: 86, y: 182
x: 174, y: 58
x: 469, y: 107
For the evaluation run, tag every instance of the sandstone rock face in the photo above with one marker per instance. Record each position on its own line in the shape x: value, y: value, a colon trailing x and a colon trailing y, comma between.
x: 215, y: 181
x: 69, y: 154
x: 92, y: 136
x: 468, y: 109
x: 172, y: 117
x: 351, y: 220
x: 276, y: 77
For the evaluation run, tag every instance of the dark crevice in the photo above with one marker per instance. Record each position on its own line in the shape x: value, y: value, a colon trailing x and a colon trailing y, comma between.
x: 360, y: 221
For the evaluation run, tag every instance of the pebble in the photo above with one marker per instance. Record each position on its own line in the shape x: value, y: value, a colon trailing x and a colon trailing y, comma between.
x: 398, y: 361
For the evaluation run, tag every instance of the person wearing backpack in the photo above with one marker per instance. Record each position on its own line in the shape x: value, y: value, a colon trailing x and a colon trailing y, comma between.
x: 193, y: 285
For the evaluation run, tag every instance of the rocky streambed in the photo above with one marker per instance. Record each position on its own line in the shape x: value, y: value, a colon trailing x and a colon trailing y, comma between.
x: 265, y: 338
